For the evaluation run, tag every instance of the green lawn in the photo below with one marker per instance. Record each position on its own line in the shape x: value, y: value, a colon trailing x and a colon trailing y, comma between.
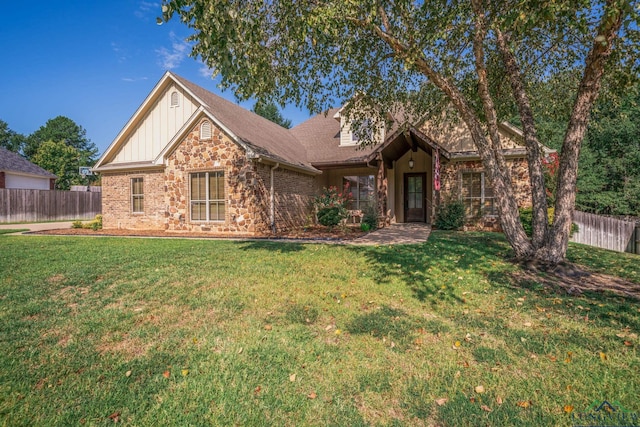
x: 192, y: 332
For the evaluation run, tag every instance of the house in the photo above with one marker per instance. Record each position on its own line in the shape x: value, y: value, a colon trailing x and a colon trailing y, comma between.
x: 191, y: 161
x: 18, y: 172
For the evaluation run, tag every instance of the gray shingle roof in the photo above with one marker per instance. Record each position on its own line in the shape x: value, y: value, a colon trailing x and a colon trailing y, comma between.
x: 262, y: 135
x: 12, y: 162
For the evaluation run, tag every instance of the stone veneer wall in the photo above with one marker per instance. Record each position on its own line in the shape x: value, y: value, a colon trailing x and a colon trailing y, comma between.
x: 116, y: 200
x: 450, y: 178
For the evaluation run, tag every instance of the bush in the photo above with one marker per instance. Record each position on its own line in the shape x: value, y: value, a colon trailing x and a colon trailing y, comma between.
x: 95, y: 224
x: 331, y: 206
x: 450, y: 216
x: 76, y: 224
x: 365, y: 227
x: 526, y: 218
x: 370, y: 216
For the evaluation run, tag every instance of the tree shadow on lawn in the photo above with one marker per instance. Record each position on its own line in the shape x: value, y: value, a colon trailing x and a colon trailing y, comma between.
x: 282, y: 247
x: 432, y: 269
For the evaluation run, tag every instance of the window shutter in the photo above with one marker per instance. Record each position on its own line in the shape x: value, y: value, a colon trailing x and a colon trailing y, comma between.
x: 175, y: 99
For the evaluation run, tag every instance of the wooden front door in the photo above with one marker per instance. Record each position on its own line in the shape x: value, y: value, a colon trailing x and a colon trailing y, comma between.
x: 414, y: 197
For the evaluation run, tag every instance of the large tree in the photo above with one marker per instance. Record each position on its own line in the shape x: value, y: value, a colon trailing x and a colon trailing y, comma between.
x: 270, y: 111
x: 63, y: 129
x: 422, y: 54
x: 10, y: 139
x: 60, y: 159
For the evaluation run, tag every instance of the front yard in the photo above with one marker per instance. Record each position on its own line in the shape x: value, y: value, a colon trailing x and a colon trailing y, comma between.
x: 193, y: 332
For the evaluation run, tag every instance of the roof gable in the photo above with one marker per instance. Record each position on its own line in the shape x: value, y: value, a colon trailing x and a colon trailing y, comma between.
x: 13, y: 162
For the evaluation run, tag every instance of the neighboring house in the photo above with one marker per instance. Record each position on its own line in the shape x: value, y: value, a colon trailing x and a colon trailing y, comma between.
x: 190, y: 160
x: 18, y: 172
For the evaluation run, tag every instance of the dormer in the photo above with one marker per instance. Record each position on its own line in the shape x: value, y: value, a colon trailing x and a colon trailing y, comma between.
x: 350, y: 138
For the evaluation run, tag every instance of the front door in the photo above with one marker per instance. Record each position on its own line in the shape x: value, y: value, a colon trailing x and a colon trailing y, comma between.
x: 414, y: 197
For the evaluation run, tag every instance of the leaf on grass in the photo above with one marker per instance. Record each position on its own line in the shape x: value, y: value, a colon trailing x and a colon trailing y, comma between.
x: 441, y: 401
x: 338, y: 332
x: 479, y: 389
x: 485, y: 408
x: 456, y: 344
x: 268, y: 327
x: 628, y: 343
x: 127, y: 374
x: 603, y: 356
x: 524, y: 403
x: 185, y: 372
x: 312, y: 395
x: 166, y: 374
x: 499, y: 400
x: 568, y: 409
x: 240, y: 350
x: 292, y: 377
x: 568, y: 359
x: 552, y: 358
x: 257, y: 390
x: 115, y: 417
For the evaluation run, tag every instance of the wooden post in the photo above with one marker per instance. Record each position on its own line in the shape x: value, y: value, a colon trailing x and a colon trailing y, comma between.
x: 382, y: 184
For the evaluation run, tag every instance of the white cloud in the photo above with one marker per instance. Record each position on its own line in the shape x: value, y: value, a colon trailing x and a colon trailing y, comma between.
x: 172, y: 58
x: 145, y: 7
x: 120, y: 53
x: 206, y: 71
x: 133, y: 79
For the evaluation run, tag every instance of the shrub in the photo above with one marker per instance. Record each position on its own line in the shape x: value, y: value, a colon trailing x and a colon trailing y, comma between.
x: 526, y: 217
x: 365, y: 227
x: 95, y: 224
x: 331, y: 206
x: 370, y: 216
x: 450, y: 216
x: 76, y: 224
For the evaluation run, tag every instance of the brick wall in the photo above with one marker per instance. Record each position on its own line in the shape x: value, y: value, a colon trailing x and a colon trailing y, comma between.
x: 246, y: 183
x: 450, y: 178
x: 117, y: 209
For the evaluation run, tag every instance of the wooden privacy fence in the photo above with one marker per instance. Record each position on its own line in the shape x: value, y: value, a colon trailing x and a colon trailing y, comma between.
x: 607, y: 233
x: 18, y: 205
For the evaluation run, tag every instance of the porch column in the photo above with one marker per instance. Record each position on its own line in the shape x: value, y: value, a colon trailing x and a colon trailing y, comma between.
x: 382, y: 186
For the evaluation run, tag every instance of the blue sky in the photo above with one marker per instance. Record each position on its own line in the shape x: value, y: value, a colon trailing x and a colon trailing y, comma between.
x: 92, y: 61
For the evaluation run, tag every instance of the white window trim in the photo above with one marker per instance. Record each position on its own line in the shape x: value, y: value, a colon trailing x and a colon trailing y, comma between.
x: 139, y: 195
x: 207, y: 200
x: 482, y: 196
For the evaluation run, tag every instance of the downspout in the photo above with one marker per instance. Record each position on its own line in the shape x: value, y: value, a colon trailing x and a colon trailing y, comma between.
x: 273, y: 200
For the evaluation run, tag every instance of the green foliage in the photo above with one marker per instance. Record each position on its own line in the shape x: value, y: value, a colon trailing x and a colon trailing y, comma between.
x: 331, y: 206
x: 77, y: 224
x: 609, y: 174
x: 270, y: 111
x: 60, y: 159
x: 450, y: 215
x: 10, y: 139
x: 526, y: 218
x: 365, y: 227
x: 370, y: 216
x: 62, y: 129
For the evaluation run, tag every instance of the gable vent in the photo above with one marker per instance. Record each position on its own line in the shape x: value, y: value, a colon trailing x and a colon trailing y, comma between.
x: 175, y: 99
x: 205, y: 130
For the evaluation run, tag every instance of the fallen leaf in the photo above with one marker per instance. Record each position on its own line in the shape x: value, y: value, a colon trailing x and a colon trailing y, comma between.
x: 568, y: 409
x: 527, y: 324
x: 457, y: 374
x: 195, y: 340
x: 485, y: 408
x: 524, y: 403
x: 292, y: 377
x: 479, y: 389
x: 268, y: 327
x: 185, y: 372
x: 312, y: 395
x: 552, y: 358
x: 603, y: 356
x: 628, y: 343
x: 127, y: 374
x: 499, y: 400
x: 329, y: 327
x: 240, y: 350
x: 257, y: 390
x: 338, y: 332
x: 441, y: 401
x: 166, y: 374
x: 115, y: 417
x: 457, y: 344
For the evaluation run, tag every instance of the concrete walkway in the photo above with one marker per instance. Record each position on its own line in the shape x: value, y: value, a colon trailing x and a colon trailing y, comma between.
x: 37, y: 226
x: 396, y: 234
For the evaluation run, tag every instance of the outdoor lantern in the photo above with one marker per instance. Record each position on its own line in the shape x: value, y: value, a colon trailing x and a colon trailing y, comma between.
x: 411, y: 161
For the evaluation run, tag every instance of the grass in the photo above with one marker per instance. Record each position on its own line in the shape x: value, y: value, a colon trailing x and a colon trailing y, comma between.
x: 194, y: 332
x: 12, y: 230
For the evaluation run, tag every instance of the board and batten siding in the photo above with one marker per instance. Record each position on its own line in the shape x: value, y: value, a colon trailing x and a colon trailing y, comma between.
x: 158, y: 126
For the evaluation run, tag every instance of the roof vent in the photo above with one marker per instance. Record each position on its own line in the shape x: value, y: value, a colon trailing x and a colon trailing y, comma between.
x: 175, y: 99
x: 205, y: 130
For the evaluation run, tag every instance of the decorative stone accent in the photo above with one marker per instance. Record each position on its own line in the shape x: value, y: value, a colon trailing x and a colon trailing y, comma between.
x: 247, y: 191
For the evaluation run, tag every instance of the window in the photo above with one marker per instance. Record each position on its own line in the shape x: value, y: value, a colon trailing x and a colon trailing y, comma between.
x: 366, y: 127
x: 207, y: 196
x: 362, y: 189
x: 137, y: 195
x: 175, y: 99
x: 477, y: 194
x: 205, y: 130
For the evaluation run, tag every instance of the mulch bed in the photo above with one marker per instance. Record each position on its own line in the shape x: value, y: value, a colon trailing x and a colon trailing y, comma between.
x: 309, y: 233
